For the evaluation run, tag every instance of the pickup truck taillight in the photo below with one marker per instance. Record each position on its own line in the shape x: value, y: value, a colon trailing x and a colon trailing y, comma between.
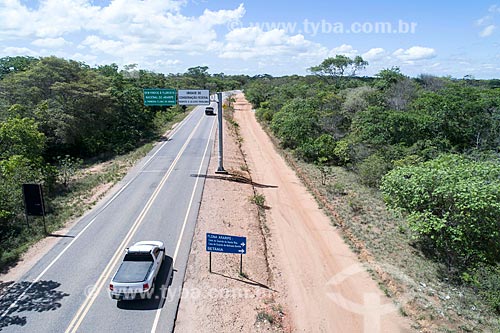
x: 111, y: 287
x: 145, y: 286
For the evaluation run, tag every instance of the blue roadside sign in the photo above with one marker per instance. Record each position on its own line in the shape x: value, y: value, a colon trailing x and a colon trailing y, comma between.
x: 226, y: 244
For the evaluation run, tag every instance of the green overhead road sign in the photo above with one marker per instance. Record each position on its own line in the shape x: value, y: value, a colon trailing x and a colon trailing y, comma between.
x: 160, y: 97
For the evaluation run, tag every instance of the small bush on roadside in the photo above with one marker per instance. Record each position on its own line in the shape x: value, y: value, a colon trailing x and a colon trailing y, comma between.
x: 372, y: 169
x: 264, y: 114
x: 336, y: 189
x: 342, y: 153
x: 263, y: 316
x: 259, y: 200
x: 487, y: 281
x: 355, y: 203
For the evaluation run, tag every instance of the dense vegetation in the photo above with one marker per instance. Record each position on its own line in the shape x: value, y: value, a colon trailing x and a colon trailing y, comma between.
x: 430, y: 144
x: 56, y: 113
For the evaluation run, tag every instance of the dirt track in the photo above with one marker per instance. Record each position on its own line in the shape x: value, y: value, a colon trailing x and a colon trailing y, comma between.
x: 327, y: 290
x: 224, y: 301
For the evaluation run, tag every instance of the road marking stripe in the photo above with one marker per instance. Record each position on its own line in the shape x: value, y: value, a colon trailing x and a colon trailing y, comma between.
x: 175, y: 130
x: 158, y: 312
x: 5, y: 292
x: 90, y: 299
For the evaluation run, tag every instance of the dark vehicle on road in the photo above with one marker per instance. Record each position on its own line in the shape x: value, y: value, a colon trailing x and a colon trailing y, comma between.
x: 209, y: 111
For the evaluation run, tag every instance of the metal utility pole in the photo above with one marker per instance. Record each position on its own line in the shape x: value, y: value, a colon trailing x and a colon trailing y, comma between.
x: 220, y: 169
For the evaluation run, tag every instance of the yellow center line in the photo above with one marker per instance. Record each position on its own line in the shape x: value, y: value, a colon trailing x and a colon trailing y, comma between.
x: 101, y: 281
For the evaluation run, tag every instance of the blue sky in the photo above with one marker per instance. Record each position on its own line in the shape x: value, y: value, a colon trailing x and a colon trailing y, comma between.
x: 443, y: 38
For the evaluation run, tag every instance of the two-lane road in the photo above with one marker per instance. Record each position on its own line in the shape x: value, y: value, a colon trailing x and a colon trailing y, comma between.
x: 67, y: 291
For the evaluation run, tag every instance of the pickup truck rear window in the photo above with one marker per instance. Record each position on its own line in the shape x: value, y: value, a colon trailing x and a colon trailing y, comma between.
x: 138, y: 257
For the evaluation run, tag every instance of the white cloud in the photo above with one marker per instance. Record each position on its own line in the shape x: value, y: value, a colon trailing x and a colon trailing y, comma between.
x: 14, y: 51
x: 494, y: 9
x: 483, y: 20
x: 158, y: 25
x: 149, y: 27
x: 96, y: 43
x: 51, y: 43
x: 53, y: 18
x: 87, y: 58
x: 374, y: 54
x: 253, y: 42
x: 415, y: 53
x: 344, y: 49
x: 223, y: 16
x: 487, y: 31
x: 168, y: 62
x: 486, y: 22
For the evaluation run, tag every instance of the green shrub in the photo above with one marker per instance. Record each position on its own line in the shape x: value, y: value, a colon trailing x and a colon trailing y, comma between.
x: 162, y: 118
x: 372, y: 169
x: 259, y: 200
x: 264, y: 114
x: 336, y: 189
x: 264, y: 316
x: 487, y: 282
x: 296, y: 123
x: 321, y: 148
x: 453, y: 204
x: 342, y: 152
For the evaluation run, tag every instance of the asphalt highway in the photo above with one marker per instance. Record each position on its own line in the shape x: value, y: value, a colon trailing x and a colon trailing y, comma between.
x: 67, y: 290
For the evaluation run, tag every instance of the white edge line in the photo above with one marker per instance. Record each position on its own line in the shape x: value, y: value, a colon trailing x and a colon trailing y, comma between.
x: 158, y: 312
x: 52, y: 263
x: 174, y: 132
x: 80, y: 315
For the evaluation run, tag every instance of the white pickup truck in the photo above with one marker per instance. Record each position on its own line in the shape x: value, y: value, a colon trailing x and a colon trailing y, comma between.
x: 136, y: 276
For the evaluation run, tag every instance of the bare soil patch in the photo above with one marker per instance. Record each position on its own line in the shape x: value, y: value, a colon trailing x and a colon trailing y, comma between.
x: 327, y: 289
x: 224, y: 300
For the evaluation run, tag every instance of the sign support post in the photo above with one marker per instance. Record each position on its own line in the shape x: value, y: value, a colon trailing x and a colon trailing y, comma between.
x: 220, y: 169
x: 44, y: 224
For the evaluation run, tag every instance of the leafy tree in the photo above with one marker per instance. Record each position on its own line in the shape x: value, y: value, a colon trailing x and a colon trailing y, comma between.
x: 296, y: 123
x: 20, y: 136
x: 453, y: 204
x: 257, y: 92
x: 388, y: 77
x: 199, y: 76
x: 372, y: 169
x: 342, y: 152
x: 461, y: 115
x: 319, y: 150
x: 339, y: 66
x: 67, y: 167
x: 357, y: 99
x: 15, y: 64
